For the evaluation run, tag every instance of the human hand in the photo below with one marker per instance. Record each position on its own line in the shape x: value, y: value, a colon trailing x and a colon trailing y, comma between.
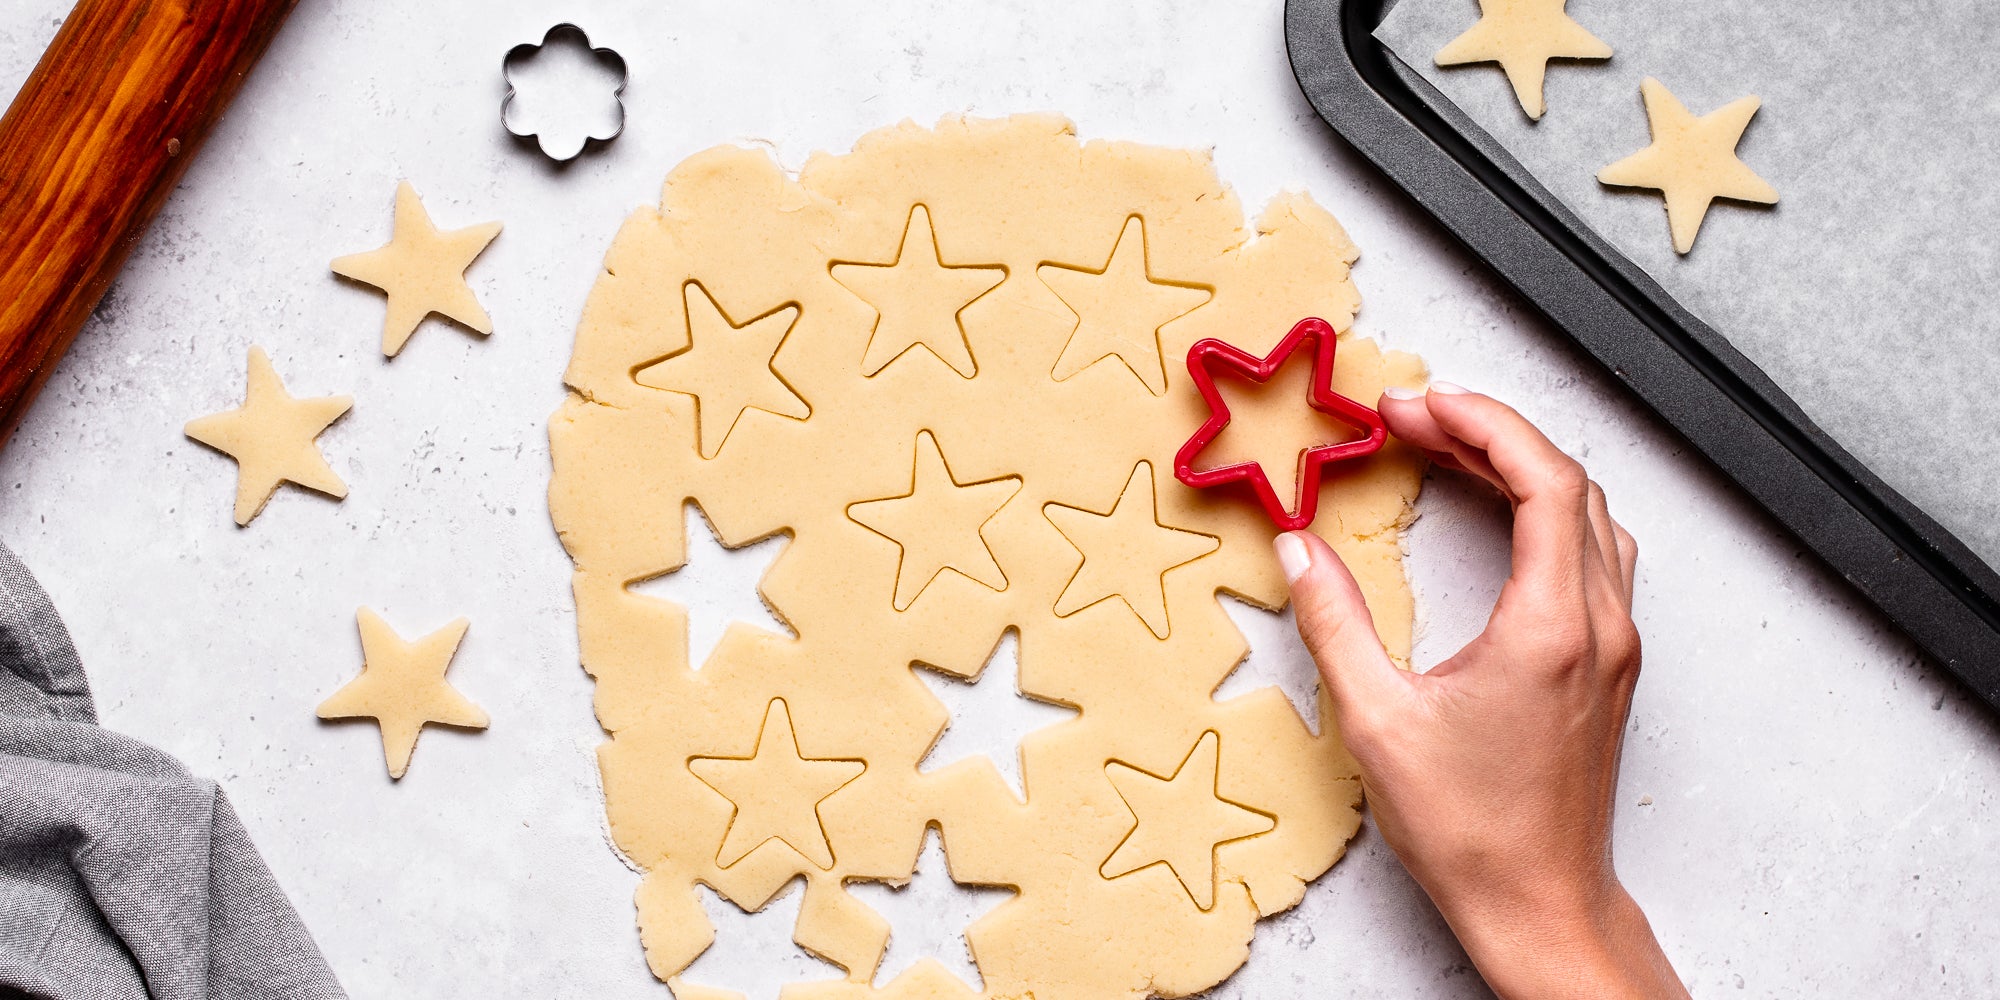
x: 1492, y: 776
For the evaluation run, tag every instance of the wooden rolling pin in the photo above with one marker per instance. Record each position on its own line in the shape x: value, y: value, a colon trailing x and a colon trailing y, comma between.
x: 96, y: 139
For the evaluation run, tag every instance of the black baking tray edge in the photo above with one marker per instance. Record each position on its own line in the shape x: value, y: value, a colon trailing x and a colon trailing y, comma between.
x: 1928, y: 583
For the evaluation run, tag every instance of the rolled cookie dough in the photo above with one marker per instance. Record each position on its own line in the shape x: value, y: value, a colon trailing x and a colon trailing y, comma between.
x: 984, y: 322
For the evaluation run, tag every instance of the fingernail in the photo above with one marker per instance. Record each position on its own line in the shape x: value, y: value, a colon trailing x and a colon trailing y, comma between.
x: 1292, y: 556
x: 1402, y: 392
x: 1449, y: 388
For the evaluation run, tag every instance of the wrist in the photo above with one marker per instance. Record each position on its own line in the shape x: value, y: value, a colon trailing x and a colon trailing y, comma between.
x: 1590, y: 945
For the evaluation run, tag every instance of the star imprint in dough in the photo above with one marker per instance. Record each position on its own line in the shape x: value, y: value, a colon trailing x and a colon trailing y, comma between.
x: 1181, y: 820
x: 937, y: 524
x: 1522, y: 36
x: 271, y: 437
x: 1127, y: 552
x: 1692, y: 161
x: 402, y: 687
x: 918, y: 299
x: 1120, y: 309
x: 776, y: 792
x: 423, y: 270
x: 728, y: 367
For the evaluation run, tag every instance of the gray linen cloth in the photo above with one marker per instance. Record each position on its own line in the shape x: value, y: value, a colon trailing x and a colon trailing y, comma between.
x: 122, y: 876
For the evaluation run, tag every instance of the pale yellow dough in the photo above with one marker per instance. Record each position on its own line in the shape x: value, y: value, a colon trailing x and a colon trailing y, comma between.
x: 958, y: 383
x: 402, y: 687
x: 1692, y: 161
x: 1522, y: 36
x: 423, y: 271
x: 272, y: 437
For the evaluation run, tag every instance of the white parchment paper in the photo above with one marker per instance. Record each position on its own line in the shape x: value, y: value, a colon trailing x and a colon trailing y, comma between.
x: 1868, y: 292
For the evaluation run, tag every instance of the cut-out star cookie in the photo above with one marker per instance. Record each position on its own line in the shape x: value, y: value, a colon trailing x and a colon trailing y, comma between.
x: 1181, y: 820
x: 937, y: 524
x: 1119, y: 310
x: 917, y: 299
x: 1522, y: 36
x: 776, y: 792
x: 272, y: 437
x: 1127, y: 552
x: 727, y: 368
x: 402, y: 687
x: 1692, y: 161
x: 423, y: 271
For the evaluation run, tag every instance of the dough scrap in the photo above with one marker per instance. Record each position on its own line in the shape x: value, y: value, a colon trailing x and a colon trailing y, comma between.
x: 1691, y: 161
x: 273, y: 438
x: 936, y: 500
x: 402, y: 687
x: 1522, y: 36
x: 423, y: 271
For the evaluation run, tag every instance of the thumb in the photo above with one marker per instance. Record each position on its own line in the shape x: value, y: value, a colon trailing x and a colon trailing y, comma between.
x: 1334, y: 621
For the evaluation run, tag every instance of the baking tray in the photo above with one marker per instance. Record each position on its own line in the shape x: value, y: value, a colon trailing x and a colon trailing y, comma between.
x: 1924, y: 578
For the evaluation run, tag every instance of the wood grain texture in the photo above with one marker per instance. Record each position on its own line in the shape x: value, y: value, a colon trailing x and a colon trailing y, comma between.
x: 91, y: 147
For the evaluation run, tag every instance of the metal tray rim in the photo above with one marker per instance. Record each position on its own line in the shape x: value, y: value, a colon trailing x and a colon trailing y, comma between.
x: 1924, y: 578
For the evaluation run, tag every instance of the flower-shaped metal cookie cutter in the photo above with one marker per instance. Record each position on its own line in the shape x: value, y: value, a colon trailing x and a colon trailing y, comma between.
x: 563, y: 143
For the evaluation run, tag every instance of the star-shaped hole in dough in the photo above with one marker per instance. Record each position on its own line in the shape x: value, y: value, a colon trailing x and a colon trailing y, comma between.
x: 1181, y: 820
x: 776, y: 792
x: 729, y: 368
x: 1120, y: 309
x: 1276, y: 659
x: 1692, y: 161
x: 423, y: 271
x: 937, y: 524
x: 1127, y: 552
x: 989, y: 710
x: 1522, y: 36
x: 751, y: 950
x: 928, y: 915
x: 918, y: 299
x: 272, y: 438
x: 712, y: 584
x: 402, y: 687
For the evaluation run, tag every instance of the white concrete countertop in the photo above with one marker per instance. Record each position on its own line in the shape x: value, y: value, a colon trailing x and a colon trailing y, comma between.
x: 1803, y: 805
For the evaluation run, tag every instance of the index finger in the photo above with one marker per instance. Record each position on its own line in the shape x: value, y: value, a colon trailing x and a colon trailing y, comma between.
x: 1550, y: 490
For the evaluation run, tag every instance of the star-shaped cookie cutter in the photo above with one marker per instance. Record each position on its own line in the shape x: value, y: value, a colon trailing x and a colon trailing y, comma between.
x: 1206, y: 356
x: 525, y: 50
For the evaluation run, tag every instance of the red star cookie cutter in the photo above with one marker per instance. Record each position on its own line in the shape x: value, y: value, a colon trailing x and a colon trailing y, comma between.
x: 1205, y: 357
